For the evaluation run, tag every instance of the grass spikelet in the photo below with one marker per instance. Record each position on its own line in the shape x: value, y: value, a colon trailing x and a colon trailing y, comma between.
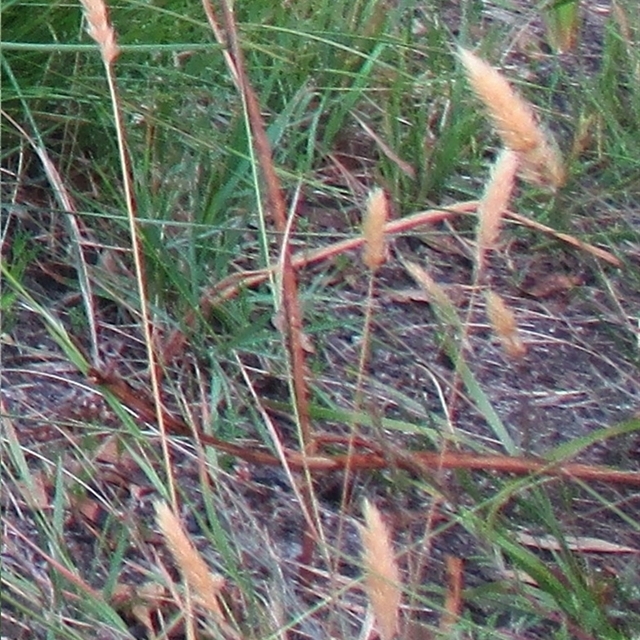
x: 374, y: 253
x: 206, y: 585
x: 516, y: 123
x: 444, y: 307
x: 495, y: 201
x: 543, y: 165
x: 99, y: 28
x: 503, y: 323
x: 382, y: 576
x: 513, y: 117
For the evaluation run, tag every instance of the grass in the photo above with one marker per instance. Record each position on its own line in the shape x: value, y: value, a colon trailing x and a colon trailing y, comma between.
x: 235, y: 401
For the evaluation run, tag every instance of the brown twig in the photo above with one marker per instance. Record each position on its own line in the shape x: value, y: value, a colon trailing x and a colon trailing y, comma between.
x: 278, y: 210
x: 291, y: 310
x: 428, y: 461
x: 230, y: 286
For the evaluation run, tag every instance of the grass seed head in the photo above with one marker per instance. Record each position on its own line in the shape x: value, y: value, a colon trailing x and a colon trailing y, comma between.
x: 495, y: 201
x: 374, y: 253
x: 99, y: 28
x: 382, y: 582
x: 206, y: 585
x: 503, y: 322
x: 516, y: 123
x: 543, y: 166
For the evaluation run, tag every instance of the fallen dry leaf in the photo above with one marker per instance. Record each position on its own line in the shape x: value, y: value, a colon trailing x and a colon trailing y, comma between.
x: 583, y: 544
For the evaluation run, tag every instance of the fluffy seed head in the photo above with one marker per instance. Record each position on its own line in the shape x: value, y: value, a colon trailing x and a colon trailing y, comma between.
x: 494, y: 202
x: 206, y: 585
x: 382, y: 581
x: 516, y: 123
x: 99, y: 28
x: 504, y: 324
x: 375, y: 250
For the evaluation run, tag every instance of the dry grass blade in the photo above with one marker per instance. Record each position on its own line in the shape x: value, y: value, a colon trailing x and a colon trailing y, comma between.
x: 494, y: 203
x: 597, y: 252
x: 374, y: 254
x: 516, y: 123
x: 206, y: 585
x: 404, y: 166
x: 382, y: 576
x: 582, y: 544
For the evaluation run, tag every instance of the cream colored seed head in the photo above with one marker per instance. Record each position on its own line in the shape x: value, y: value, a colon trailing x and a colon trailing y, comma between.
x: 382, y: 580
x: 375, y: 218
x: 516, y: 123
x: 503, y: 323
x: 99, y: 28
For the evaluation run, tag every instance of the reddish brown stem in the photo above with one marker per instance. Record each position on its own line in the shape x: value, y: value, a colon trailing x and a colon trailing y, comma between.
x: 426, y: 461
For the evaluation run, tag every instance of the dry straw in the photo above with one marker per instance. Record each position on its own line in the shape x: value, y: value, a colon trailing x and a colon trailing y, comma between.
x: 374, y: 253
x: 102, y: 32
x: 382, y: 580
x: 516, y: 123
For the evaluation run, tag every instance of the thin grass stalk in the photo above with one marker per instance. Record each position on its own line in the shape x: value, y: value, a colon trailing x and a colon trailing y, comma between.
x: 374, y: 254
x: 284, y: 459
x: 103, y: 33
x: 86, y: 591
x: 294, y: 338
x: 80, y: 242
x: 223, y: 40
x: 290, y: 306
